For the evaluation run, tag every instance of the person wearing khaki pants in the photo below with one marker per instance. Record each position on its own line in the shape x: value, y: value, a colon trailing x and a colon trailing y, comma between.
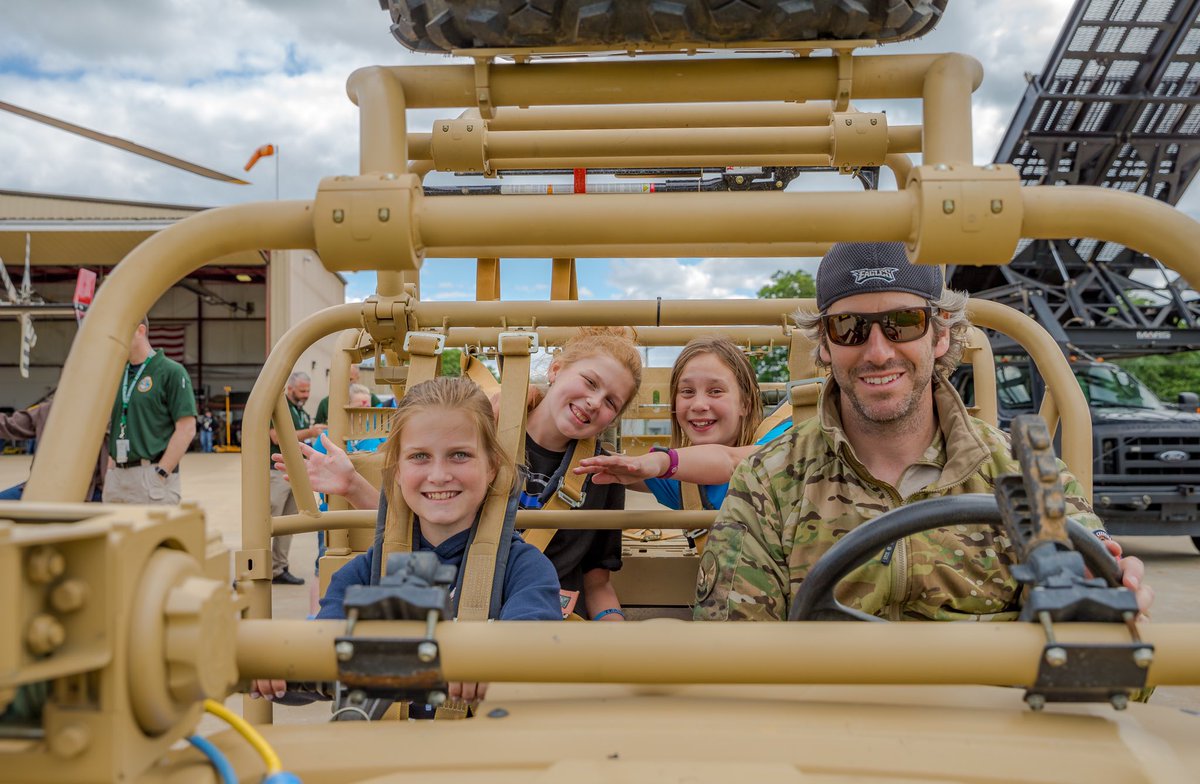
x: 153, y: 423
x: 282, y: 500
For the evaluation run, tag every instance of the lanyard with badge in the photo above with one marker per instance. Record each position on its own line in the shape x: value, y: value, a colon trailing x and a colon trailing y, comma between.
x: 127, y: 388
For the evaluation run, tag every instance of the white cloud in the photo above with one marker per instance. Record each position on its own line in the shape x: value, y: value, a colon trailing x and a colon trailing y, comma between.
x: 533, y: 288
x: 211, y: 81
x: 715, y: 278
x: 450, y: 295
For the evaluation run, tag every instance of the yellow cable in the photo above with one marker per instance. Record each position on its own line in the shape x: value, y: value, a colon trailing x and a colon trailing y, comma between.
x: 249, y: 733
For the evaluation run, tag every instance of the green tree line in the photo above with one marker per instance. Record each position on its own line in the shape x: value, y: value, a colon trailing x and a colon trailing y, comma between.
x: 771, y: 365
x: 1167, y: 374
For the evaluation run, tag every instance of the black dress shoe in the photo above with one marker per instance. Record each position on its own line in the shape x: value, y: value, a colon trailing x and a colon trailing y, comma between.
x: 287, y: 578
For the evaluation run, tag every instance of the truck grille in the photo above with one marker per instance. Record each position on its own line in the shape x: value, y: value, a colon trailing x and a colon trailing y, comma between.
x: 1147, y: 455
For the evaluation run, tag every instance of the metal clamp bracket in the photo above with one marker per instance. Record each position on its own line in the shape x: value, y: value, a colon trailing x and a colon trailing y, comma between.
x: 438, y: 338
x: 460, y: 146
x: 1090, y: 672
x: 859, y: 139
x: 845, y: 61
x: 416, y: 587
x: 366, y: 222
x: 530, y: 336
x: 965, y: 214
x: 483, y: 91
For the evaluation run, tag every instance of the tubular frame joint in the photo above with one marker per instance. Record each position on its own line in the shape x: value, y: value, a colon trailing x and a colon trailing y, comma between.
x: 460, y: 145
x: 366, y: 222
x: 965, y: 214
x: 858, y: 139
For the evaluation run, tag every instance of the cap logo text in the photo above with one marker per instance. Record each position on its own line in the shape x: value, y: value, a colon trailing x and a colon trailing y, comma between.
x: 886, y: 274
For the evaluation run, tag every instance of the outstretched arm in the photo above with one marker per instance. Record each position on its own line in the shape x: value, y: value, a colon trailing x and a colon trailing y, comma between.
x: 706, y: 464
x: 333, y: 473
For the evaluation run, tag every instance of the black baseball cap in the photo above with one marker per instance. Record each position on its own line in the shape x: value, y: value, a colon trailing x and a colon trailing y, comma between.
x: 851, y: 268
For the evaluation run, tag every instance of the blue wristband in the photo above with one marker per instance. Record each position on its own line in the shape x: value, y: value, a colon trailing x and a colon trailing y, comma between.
x: 609, y: 611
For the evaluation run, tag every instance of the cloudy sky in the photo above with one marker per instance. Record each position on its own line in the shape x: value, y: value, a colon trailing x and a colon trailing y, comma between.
x: 211, y: 81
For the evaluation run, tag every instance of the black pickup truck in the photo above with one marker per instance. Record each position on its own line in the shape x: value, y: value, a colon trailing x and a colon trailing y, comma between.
x: 1147, y: 453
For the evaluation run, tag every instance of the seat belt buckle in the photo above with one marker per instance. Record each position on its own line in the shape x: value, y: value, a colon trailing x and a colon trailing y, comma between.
x: 571, y: 502
x: 803, y: 382
x: 533, y: 339
x: 437, y: 336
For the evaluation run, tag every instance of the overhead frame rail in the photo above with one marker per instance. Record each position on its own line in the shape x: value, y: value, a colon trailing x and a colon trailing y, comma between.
x: 1117, y: 106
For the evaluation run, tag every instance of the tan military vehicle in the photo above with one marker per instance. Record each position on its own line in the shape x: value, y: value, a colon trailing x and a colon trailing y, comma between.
x: 119, y: 628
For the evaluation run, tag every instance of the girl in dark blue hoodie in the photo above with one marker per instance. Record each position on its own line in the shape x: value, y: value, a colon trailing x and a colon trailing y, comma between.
x: 442, y: 457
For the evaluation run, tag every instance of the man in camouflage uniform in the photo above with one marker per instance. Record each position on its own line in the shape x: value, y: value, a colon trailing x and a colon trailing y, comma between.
x: 889, y: 431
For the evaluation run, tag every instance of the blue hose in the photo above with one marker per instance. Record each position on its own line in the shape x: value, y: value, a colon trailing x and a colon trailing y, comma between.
x: 219, y: 761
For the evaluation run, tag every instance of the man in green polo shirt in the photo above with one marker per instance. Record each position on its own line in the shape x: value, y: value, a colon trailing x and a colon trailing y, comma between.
x: 283, y: 502
x: 153, y: 423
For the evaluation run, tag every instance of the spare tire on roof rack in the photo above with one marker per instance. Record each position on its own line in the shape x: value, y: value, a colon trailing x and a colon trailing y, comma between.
x: 581, y: 25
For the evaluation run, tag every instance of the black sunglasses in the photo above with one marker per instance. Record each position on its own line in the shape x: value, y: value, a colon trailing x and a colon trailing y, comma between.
x: 899, y: 326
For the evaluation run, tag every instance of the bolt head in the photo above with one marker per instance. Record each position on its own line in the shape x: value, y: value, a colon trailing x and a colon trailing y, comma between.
x: 1035, y: 701
x: 427, y: 651
x: 68, y: 596
x: 437, y: 698
x: 356, y: 697
x: 997, y: 206
x: 384, y: 214
x: 344, y: 650
x: 1056, y: 657
x: 1143, y: 657
x: 990, y: 167
x: 70, y: 741
x: 45, y: 635
x: 874, y: 121
x: 339, y: 216
x: 948, y: 206
x: 941, y: 167
x: 849, y: 121
x: 44, y: 564
x: 739, y: 179
x: 1119, y: 701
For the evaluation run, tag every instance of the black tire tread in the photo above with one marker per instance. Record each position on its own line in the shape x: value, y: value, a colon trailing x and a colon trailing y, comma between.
x: 444, y: 25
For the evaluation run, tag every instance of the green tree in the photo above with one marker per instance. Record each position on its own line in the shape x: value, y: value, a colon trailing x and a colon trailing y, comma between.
x: 452, y: 362
x: 797, y: 284
x: 1167, y: 374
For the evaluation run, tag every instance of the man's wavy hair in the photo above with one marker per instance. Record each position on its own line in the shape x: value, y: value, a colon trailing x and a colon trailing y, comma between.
x: 949, y: 314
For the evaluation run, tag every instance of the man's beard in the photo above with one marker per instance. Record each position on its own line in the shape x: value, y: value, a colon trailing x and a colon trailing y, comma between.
x: 896, y: 413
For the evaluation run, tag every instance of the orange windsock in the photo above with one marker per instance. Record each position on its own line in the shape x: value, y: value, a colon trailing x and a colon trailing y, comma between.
x: 261, y: 152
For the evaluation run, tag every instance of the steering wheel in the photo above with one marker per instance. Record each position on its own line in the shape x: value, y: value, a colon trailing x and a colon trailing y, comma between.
x: 814, y: 601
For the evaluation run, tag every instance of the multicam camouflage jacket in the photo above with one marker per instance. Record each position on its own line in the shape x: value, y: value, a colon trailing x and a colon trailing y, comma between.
x: 793, y: 499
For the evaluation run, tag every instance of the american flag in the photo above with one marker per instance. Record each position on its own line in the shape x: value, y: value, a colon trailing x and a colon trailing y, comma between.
x: 171, y: 338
